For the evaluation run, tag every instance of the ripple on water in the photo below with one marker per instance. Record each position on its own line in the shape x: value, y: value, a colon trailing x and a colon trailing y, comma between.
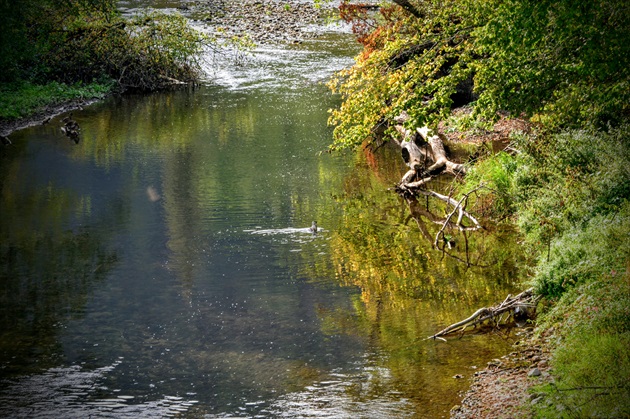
x: 280, y: 66
x: 70, y: 392
x: 341, y: 396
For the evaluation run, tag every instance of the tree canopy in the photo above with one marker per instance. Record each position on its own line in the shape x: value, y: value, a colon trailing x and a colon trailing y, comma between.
x: 563, y: 63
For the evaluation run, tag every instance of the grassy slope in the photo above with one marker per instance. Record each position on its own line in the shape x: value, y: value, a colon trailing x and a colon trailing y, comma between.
x: 570, y: 195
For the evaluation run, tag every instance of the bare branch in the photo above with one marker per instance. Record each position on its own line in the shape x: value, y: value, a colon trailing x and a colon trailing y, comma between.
x: 526, y: 298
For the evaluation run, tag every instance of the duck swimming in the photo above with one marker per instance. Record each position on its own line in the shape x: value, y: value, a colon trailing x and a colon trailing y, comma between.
x: 71, y: 128
x: 313, y: 228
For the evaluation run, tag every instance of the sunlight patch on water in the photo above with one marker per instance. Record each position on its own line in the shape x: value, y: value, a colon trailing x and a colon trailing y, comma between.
x: 340, y: 396
x: 71, y: 392
x: 288, y: 230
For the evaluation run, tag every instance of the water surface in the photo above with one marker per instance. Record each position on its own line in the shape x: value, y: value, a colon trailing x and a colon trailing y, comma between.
x: 162, y: 266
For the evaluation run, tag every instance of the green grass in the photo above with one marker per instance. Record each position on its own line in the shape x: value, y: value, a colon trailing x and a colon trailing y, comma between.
x: 570, y: 195
x: 18, y: 100
x: 496, y: 173
x: 591, y: 360
x: 583, y: 255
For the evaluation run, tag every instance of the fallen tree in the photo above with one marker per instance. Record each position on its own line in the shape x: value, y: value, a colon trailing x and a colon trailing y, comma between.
x: 425, y: 155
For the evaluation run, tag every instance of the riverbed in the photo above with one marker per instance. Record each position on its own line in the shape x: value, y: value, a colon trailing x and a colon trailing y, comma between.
x: 163, y: 265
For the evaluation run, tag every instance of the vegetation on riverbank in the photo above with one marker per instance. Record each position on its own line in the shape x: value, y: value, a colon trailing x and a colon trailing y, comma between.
x: 564, y: 66
x: 19, y: 100
x: 52, y: 51
x: 569, y: 194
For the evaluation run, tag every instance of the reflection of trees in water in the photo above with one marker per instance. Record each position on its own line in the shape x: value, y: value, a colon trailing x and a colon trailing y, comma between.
x: 381, y: 249
x: 48, y: 271
x: 408, y: 288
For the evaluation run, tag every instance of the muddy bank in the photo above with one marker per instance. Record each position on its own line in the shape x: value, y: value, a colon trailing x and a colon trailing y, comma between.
x: 42, y: 116
x: 504, y: 389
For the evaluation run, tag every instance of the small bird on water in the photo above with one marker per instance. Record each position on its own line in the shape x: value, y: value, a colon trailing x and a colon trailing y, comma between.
x: 313, y: 228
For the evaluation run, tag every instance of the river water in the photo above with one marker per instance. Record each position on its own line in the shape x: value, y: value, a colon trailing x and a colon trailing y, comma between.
x: 163, y: 266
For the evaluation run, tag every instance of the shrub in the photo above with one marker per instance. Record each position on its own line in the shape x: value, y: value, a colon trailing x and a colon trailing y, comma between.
x: 567, y: 179
x: 585, y: 253
x: 81, y: 41
x: 496, y: 173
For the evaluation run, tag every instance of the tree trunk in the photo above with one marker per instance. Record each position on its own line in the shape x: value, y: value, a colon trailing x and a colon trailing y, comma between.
x: 419, y: 148
x: 409, y: 7
x: 426, y: 158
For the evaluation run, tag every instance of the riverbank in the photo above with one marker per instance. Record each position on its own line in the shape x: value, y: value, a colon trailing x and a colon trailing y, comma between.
x: 506, y: 387
x: 25, y: 104
x: 578, y: 362
x: 42, y: 115
x: 262, y: 22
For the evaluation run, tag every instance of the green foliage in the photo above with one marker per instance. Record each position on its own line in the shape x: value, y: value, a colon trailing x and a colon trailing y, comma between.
x: 496, y: 173
x: 584, y: 254
x: 565, y: 180
x: 21, y: 99
x: 146, y: 52
x: 570, y: 195
x: 72, y: 41
x: 565, y: 62
x: 412, y: 65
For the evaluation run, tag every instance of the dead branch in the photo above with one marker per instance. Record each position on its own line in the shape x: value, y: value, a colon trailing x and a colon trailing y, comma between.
x: 455, y: 204
x: 425, y: 155
x: 421, y: 147
x: 461, y: 209
x: 526, y: 299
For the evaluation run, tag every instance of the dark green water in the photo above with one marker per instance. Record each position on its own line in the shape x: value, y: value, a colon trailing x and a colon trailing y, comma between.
x: 162, y: 266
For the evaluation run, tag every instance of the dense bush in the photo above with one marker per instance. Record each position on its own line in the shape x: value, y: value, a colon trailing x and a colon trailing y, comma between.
x: 565, y: 63
x: 85, y: 40
x: 565, y: 180
x: 566, y: 192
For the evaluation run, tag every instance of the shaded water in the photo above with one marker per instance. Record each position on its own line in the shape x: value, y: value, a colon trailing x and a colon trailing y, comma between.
x: 163, y: 265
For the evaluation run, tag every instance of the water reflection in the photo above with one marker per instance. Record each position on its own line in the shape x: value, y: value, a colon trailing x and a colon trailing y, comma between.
x: 163, y: 266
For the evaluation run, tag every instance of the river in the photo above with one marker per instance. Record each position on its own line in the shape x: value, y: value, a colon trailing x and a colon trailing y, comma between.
x: 163, y: 266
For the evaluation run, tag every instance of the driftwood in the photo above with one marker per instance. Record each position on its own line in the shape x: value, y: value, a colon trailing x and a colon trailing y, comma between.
x: 421, y: 147
x: 521, y: 306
